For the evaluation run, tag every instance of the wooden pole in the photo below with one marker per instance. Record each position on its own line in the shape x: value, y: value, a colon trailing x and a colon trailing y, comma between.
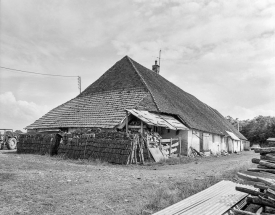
x: 141, y: 128
x: 170, y: 148
x: 179, y: 146
x: 127, y: 121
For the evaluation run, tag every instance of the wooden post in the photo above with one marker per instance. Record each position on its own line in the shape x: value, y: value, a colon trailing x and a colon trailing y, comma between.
x: 141, y: 128
x: 170, y: 148
x: 179, y: 146
x: 126, y: 121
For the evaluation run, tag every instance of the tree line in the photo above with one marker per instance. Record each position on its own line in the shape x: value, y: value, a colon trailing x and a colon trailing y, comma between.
x: 256, y: 130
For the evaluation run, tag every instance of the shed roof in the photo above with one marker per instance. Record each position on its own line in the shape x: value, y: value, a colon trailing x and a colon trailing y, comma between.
x: 271, y: 139
x: 158, y: 119
x: 129, y: 85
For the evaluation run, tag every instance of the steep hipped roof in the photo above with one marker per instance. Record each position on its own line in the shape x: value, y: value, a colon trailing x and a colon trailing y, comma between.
x: 129, y: 85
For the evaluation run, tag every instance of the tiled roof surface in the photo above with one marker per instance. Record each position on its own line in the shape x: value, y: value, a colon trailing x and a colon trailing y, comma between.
x: 129, y: 85
x: 104, y: 109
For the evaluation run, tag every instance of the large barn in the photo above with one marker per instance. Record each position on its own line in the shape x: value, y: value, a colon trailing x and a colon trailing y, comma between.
x: 131, y: 96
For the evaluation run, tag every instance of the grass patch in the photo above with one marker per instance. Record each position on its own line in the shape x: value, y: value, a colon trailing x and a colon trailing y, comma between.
x: 5, y: 176
x: 173, y: 161
x: 179, y: 190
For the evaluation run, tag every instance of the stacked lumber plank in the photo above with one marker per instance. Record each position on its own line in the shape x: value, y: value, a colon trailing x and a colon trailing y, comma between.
x: 263, y: 179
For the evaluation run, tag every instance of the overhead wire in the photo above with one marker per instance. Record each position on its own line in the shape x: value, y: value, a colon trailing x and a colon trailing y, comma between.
x: 37, y: 73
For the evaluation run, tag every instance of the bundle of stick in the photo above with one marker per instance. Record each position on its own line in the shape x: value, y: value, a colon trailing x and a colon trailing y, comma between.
x: 137, y: 150
x: 263, y: 178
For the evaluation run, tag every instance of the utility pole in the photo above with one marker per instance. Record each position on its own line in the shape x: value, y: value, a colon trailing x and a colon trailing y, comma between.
x: 79, y: 83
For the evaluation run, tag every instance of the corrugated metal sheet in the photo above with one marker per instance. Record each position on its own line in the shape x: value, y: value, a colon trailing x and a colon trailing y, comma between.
x: 215, y: 200
x: 158, y: 119
x: 233, y: 136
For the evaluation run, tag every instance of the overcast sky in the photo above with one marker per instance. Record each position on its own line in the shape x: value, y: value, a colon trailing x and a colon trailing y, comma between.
x: 220, y: 51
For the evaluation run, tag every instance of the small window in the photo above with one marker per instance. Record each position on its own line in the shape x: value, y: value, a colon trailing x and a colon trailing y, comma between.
x: 177, y: 132
x: 213, y: 138
x: 168, y: 130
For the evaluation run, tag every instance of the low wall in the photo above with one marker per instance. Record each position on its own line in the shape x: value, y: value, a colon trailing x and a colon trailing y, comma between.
x: 113, y: 147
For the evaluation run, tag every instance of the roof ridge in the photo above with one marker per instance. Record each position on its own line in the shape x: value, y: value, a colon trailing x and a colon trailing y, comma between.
x: 142, y: 79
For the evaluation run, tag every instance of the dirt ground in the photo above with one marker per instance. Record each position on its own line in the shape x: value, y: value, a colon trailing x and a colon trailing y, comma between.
x: 34, y: 184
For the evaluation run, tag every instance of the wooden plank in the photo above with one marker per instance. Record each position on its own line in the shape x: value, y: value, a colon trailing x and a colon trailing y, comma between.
x: 165, y: 140
x: 134, y: 126
x: 172, y: 146
x: 156, y: 153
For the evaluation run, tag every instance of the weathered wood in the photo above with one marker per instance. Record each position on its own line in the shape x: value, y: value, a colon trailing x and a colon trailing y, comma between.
x: 267, y: 164
x: 262, y: 167
x: 249, y: 191
x: 268, y: 157
x: 240, y: 212
x: 265, y: 150
x: 261, y: 201
x: 179, y: 147
x: 255, y: 160
x: 253, y: 208
x: 261, y: 186
x: 127, y: 121
x: 141, y: 144
x: 170, y: 147
x: 261, y: 170
x: 256, y: 179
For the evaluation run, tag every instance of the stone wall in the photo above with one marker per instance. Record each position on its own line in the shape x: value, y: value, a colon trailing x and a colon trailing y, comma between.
x: 113, y: 147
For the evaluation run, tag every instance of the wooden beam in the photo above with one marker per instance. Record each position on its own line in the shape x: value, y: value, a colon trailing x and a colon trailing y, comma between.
x: 265, y: 150
x: 249, y: 191
x: 179, y: 147
x: 127, y: 121
x: 267, y: 164
x: 256, y: 179
x: 261, y: 201
x: 255, y: 160
x: 240, y: 212
x: 268, y: 157
x: 141, y: 128
x: 261, y: 170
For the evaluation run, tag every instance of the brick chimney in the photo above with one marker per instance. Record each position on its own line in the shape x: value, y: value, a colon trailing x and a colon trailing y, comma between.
x: 155, y: 67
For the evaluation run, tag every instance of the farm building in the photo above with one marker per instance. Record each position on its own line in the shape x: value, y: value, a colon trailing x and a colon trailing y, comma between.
x: 130, y: 97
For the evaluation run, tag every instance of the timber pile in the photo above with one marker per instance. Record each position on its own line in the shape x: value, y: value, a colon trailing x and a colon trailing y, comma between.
x: 113, y: 147
x: 262, y: 199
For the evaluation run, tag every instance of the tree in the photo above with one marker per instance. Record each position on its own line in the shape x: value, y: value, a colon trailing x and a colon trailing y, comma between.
x: 258, y: 129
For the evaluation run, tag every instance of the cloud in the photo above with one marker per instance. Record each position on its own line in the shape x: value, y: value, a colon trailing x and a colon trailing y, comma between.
x: 17, y: 114
x: 219, y: 51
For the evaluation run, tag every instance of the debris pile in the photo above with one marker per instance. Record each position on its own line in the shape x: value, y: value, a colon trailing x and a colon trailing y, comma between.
x: 261, y: 200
